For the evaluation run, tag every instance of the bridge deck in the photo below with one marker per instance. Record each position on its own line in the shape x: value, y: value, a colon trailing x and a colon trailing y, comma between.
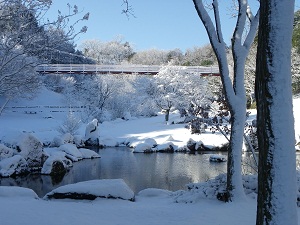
x: 117, y: 69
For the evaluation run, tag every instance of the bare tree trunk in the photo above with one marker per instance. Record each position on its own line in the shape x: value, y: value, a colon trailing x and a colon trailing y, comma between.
x: 276, y: 203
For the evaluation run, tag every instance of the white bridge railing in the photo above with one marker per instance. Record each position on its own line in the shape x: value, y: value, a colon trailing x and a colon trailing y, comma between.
x: 118, y: 69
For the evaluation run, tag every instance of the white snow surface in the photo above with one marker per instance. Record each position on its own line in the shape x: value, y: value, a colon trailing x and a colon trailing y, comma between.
x: 17, y: 192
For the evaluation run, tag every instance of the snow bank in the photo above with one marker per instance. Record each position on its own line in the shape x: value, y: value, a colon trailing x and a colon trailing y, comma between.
x: 154, y: 192
x: 107, y: 188
x: 17, y: 192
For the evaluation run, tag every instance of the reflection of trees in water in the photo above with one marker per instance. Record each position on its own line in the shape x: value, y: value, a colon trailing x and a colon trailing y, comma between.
x: 170, y: 171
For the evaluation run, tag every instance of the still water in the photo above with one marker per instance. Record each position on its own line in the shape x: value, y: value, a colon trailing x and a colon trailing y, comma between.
x: 171, y: 171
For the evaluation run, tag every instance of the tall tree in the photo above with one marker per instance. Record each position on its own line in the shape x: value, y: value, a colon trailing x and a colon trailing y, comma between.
x: 234, y: 89
x: 24, y: 42
x: 276, y: 137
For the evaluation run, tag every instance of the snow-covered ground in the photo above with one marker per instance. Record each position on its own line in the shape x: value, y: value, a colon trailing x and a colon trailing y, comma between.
x: 19, y: 206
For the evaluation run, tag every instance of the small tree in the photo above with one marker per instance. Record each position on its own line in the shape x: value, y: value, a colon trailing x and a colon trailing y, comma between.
x: 176, y: 88
x: 70, y: 125
x: 234, y: 89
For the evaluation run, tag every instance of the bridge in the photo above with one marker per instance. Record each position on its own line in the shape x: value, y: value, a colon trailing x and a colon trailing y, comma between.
x: 118, y: 69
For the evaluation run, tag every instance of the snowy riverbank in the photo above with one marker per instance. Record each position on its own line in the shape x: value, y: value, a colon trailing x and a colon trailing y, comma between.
x: 150, y: 207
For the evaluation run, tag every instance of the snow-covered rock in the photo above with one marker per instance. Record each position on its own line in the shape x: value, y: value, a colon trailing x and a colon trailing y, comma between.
x: 88, y: 154
x: 92, y: 133
x: 5, y: 152
x: 217, y: 158
x: 151, y: 142
x: 55, y: 164
x: 71, y: 151
x: 143, y: 147
x: 90, y: 190
x: 166, y: 147
x: 63, y: 139
x: 32, y: 150
x: 15, y: 165
x: 17, y: 192
x: 108, y: 142
x: 78, y: 141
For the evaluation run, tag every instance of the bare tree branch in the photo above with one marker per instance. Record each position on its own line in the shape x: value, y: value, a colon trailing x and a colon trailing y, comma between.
x: 128, y: 11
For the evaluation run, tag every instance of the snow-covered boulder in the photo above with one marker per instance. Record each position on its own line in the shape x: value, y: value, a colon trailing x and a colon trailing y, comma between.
x: 5, y: 152
x: 32, y: 150
x: 63, y: 139
x: 108, y: 142
x: 78, y: 141
x: 166, y: 147
x: 15, y: 165
x: 92, y: 133
x: 194, y: 145
x: 88, y: 154
x: 90, y: 190
x: 151, y: 142
x: 217, y: 158
x: 71, y: 151
x: 143, y: 147
x: 17, y: 192
x: 55, y: 165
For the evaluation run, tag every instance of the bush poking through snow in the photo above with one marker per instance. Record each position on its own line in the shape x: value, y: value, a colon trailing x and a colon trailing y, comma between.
x: 70, y: 125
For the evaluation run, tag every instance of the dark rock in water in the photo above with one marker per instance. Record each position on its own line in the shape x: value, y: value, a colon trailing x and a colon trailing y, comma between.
x: 58, y: 168
x: 58, y: 172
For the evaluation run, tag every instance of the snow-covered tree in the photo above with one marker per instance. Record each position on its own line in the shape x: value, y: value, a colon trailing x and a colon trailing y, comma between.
x: 23, y: 43
x: 176, y: 88
x: 275, y: 123
x: 200, y: 56
x: 150, y: 57
x: 111, y: 52
x: 234, y: 89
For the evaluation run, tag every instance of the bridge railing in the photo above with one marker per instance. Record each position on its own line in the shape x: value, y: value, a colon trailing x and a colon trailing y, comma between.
x: 129, y: 69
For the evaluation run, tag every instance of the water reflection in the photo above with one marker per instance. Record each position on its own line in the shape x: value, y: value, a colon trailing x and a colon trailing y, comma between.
x: 159, y: 170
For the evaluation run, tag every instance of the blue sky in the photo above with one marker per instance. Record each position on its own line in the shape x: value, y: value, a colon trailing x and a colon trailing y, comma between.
x: 162, y: 24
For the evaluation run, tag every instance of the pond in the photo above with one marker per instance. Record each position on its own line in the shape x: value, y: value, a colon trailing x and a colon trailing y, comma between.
x: 171, y: 171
